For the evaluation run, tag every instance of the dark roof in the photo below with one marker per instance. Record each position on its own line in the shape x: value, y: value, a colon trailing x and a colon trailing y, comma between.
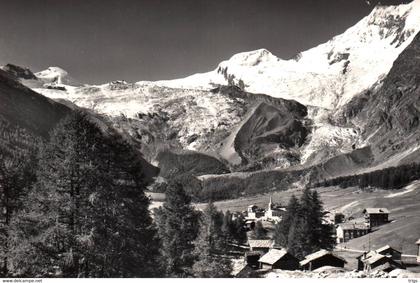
x: 367, y: 254
x: 387, y: 247
x: 319, y: 254
x: 252, y: 253
x: 376, y: 210
x: 378, y: 251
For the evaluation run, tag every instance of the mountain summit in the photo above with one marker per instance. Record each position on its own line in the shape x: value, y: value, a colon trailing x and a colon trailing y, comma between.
x: 256, y: 111
x: 328, y: 75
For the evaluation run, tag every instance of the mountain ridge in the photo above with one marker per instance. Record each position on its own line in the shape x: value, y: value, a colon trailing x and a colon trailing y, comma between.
x: 292, y: 125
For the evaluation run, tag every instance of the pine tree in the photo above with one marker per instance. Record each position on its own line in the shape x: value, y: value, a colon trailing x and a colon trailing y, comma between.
x: 302, y: 230
x: 177, y: 224
x: 16, y: 176
x: 297, y: 238
x: 281, y: 230
x: 87, y: 215
x: 227, y: 226
x: 209, y: 248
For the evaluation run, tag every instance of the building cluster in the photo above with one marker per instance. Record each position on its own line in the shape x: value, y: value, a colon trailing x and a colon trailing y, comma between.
x: 263, y: 254
x: 373, y: 217
x: 273, y: 213
x: 385, y: 258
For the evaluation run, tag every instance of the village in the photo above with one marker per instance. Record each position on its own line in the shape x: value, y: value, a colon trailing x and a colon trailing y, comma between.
x: 263, y: 258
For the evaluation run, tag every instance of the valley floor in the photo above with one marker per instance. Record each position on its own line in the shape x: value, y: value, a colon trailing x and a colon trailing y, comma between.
x: 402, y: 231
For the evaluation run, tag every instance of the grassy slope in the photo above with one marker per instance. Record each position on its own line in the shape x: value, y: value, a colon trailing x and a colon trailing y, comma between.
x: 401, y: 233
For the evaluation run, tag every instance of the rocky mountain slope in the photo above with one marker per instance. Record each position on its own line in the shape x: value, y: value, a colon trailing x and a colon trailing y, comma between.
x: 27, y: 117
x: 389, y: 114
x: 344, y: 106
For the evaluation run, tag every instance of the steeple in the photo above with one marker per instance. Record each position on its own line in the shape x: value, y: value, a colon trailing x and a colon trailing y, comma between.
x: 270, y: 204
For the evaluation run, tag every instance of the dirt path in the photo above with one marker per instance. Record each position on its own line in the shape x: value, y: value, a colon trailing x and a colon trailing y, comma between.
x: 407, y: 189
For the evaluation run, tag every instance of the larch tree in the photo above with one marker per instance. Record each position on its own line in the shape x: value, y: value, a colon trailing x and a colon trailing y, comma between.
x: 177, y: 222
x: 302, y: 230
x: 281, y: 229
x: 16, y: 176
x: 87, y: 215
x: 210, y: 249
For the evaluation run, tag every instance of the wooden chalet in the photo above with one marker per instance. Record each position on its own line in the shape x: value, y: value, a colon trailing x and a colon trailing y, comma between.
x: 376, y: 216
x: 252, y: 258
x: 322, y: 258
x: 279, y: 259
x: 373, y: 261
x: 260, y: 245
x: 389, y: 252
x: 348, y: 231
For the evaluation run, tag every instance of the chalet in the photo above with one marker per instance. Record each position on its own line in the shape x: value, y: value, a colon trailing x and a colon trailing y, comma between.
x: 373, y: 261
x: 322, y: 258
x: 260, y: 245
x: 279, y: 259
x: 418, y: 250
x: 348, y: 231
x: 252, y: 258
x: 254, y: 212
x: 376, y: 216
x: 389, y: 252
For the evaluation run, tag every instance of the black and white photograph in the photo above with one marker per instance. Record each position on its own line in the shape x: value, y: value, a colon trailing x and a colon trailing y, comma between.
x: 270, y: 139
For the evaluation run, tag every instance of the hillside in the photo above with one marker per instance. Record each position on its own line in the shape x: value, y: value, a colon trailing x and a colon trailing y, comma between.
x: 262, y: 123
x: 26, y: 118
x: 21, y: 106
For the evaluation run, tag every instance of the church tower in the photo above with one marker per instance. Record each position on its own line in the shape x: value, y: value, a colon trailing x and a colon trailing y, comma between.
x: 269, y: 212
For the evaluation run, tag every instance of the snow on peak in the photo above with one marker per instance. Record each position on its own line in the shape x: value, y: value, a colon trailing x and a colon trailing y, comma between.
x: 252, y: 58
x: 328, y: 75
x: 56, y: 75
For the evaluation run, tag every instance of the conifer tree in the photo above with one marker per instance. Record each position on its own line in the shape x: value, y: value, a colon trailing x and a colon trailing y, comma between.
x: 87, y: 215
x: 281, y: 230
x: 177, y: 224
x: 302, y: 230
x: 16, y: 176
x: 209, y: 246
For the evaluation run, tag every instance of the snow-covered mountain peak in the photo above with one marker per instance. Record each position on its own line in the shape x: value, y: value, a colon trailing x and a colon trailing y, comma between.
x: 328, y: 75
x: 251, y: 58
x: 56, y: 75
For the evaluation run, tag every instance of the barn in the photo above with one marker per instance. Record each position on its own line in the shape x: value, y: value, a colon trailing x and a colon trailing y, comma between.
x: 322, y: 258
x: 373, y: 261
x: 377, y: 259
x: 389, y: 252
x: 348, y: 231
x: 279, y: 259
x: 260, y: 245
x: 252, y: 258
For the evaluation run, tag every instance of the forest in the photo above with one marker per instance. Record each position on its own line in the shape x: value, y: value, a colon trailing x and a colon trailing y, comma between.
x: 389, y: 178
x: 74, y: 205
